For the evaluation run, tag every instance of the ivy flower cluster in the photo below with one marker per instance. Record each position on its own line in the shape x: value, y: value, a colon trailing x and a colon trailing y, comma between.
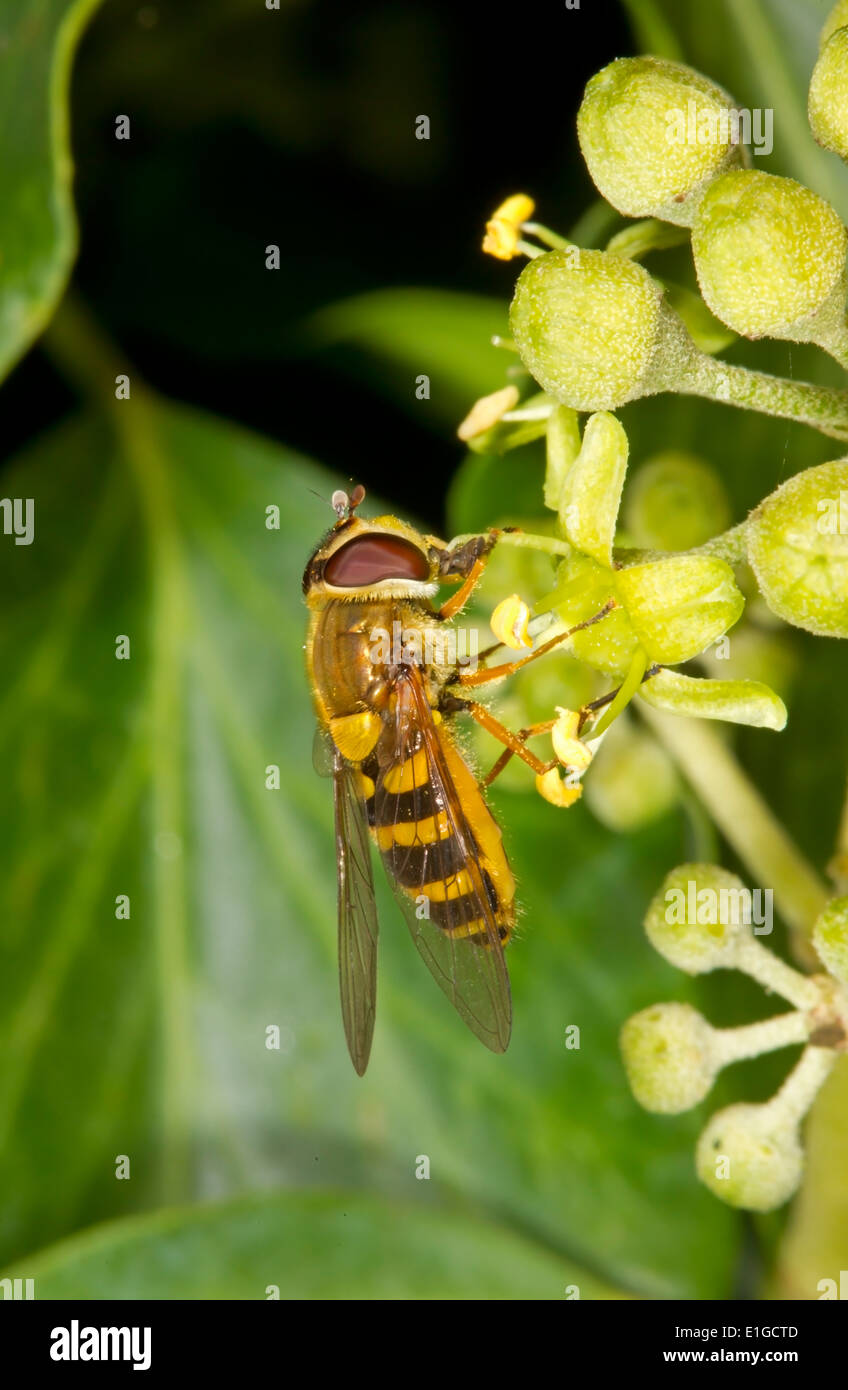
x: 650, y: 574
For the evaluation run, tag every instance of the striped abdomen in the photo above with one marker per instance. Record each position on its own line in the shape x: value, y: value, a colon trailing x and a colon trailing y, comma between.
x: 438, y: 839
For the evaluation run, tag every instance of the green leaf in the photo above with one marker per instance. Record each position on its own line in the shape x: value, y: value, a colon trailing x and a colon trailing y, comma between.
x: 412, y: 332
x: 146, y: 777
x: 38, y: 239
x: 306, y: 1245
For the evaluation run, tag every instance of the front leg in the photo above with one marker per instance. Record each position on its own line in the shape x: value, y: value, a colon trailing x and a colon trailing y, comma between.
x: 467, y: 562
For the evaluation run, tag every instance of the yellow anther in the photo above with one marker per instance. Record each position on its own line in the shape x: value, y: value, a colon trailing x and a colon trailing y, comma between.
x: 509, y: 622
x: 557, y: 791
x: 504, y: 226
x: 487, y: 411
x: 569, y: 749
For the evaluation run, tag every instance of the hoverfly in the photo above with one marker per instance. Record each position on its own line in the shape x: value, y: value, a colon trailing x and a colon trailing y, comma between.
x: 400, y: 778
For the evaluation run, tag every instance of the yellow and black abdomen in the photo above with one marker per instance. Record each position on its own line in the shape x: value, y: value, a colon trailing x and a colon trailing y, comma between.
x: 438, y: 839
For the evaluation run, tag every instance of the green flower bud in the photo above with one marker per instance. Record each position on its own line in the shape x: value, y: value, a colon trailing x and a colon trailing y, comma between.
x: 653, y: 134
x: 740, y: 702
x: 696, y: 920
x: 586, y: 325
x: 827, y: 108
x: 837, y: 19
x: 667, y: 1052
x: 750, y: 1157
x: 770, y: 256
x: 595, y: 331
x: 633, y: 781
x: 583, y: 588
x: 830, y: 938
x: 675, y: 502
x: 680, y: 605
x: 797, y: 543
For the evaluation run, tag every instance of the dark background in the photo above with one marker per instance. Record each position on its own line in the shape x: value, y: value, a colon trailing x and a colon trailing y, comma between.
x: 297, y: 127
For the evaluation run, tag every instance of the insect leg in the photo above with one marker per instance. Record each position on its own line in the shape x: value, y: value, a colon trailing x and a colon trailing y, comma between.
x: 514, y: 743
x: 494, y: 673
x: 542, y: 728
x: 468, y: 563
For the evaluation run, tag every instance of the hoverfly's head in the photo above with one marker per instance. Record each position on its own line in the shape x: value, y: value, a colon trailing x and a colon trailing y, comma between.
x: 369, y: 559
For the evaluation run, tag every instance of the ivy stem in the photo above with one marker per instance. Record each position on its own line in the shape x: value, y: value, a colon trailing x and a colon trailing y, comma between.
x: 835, y: 341
x: 683, y: 368
x: 802, y: 1085
x: 550, y: 544
x: 753, y: 1039
x: 770, y: 855
x: 838, y: 867
x: 754, y: 959
x: 729, y: 546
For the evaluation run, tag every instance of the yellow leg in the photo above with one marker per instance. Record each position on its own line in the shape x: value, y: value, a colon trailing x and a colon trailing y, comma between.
x: 457, y: 601
x: 514, y: 743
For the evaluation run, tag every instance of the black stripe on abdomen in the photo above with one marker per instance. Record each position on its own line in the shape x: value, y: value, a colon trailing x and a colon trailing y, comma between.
x: 414, y: 865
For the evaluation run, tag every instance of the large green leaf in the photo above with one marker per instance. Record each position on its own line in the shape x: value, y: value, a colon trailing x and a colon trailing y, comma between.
x: 306, y: 1245
x: 407, y: 333
x: 146, y: 1037
x: 37, y: 224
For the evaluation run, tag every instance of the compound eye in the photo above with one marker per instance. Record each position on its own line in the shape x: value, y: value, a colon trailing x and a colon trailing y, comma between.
x: 370, y: 559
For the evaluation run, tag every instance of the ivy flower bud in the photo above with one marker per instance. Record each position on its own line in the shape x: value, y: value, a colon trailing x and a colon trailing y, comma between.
x: 583, y: 588
x: 770, y: 256
x: 559, y: 791
x: 697, y: 918
x: 653, y: 134
x: 680, y: 605
x: 509, y: 622
x: 827, y: 109
x: 797, y: 543
x: 667, y: 1052
x: 586, y: 324
x: 596, y: 331
x: 830, y: 938
x: 837, y: 19
x: 675, y: 502
x: 750, y: 1157
x: 503, y: 228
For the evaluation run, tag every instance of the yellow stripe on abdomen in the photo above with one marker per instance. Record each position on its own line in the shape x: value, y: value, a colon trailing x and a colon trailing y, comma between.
x: 405, y: 777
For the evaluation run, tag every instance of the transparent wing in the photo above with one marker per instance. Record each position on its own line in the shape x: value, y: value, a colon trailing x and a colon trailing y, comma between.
x: 437, y: 847
x: 357, y: 913
x: 323, y: 750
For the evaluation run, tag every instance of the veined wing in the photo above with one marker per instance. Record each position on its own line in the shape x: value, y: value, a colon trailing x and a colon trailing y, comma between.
x: 443, y: 854
x: 357, y: 912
